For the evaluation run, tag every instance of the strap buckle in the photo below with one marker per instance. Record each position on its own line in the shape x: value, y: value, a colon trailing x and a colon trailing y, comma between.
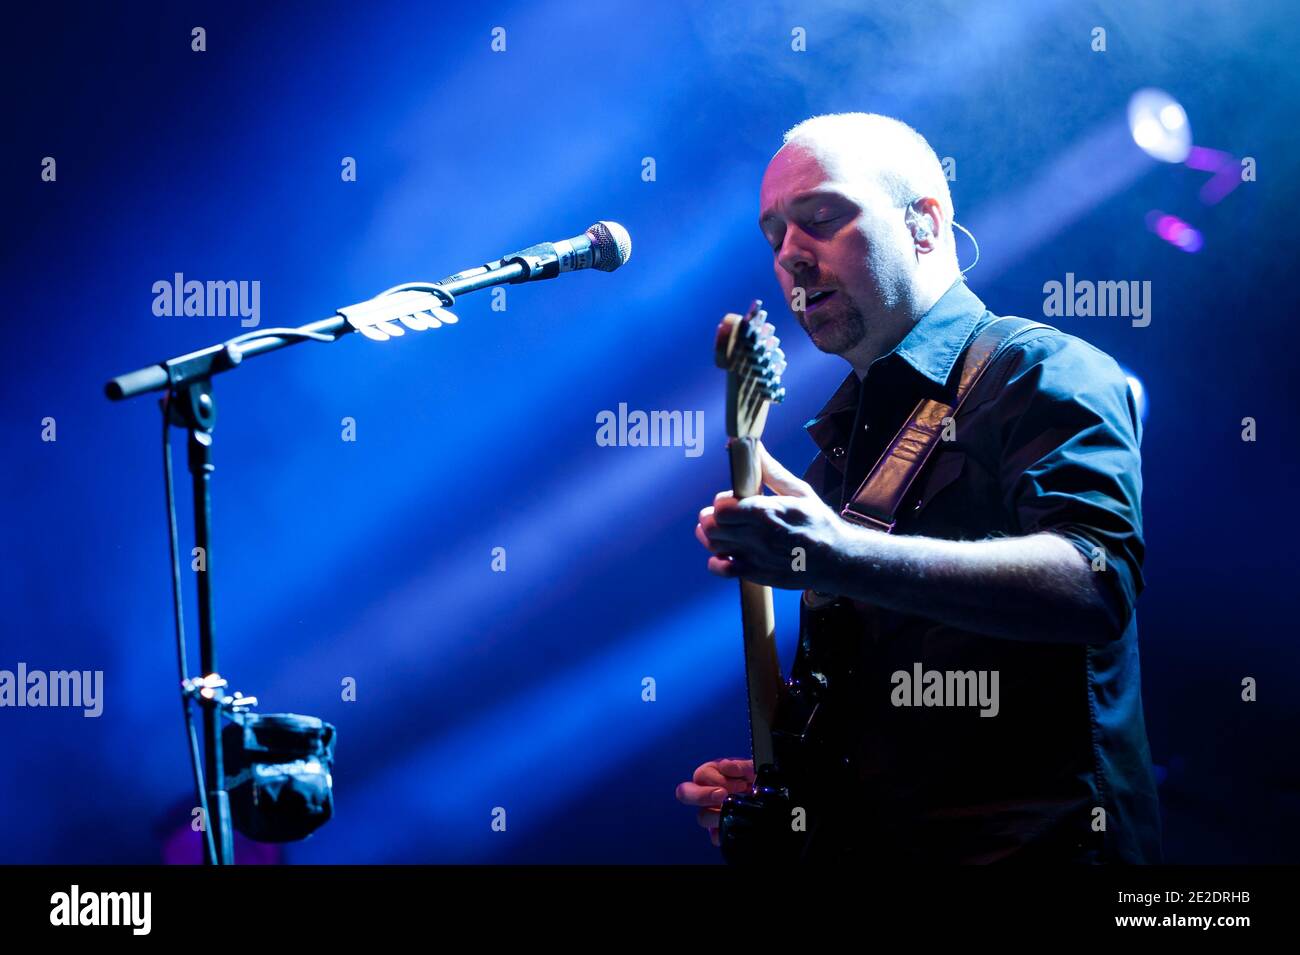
x: 866, y: 520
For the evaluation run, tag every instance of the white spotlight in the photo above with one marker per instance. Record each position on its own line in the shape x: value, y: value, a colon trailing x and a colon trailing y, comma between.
x: 1159, y: 125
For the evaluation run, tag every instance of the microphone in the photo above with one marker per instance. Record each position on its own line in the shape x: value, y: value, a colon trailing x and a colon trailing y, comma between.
x: 421, y: 305
x: 605, y: 246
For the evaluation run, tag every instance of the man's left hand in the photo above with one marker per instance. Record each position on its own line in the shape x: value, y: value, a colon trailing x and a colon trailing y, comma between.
x: 789, y: 539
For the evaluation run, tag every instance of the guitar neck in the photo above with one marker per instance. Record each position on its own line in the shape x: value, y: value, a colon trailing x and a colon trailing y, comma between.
x: 762, y: 667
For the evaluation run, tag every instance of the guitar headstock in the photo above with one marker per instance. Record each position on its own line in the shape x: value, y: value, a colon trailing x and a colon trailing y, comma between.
x: 749, y: 352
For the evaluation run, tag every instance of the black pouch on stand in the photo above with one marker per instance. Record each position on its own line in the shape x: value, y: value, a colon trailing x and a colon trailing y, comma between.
x: 279, y: 774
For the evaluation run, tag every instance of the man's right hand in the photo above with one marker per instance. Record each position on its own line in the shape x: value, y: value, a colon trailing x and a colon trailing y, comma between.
x: 711, y: 784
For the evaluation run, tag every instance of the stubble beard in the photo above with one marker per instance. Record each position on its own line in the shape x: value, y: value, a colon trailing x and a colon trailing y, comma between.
x: 838, y: 329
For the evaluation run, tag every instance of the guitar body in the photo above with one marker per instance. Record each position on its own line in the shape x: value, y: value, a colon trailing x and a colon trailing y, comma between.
x: 810, y: 768
x: 770, y: 823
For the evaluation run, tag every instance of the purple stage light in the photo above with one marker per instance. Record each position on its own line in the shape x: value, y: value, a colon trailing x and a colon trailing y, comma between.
x: 1226, y: 171
x: 1175, y: 231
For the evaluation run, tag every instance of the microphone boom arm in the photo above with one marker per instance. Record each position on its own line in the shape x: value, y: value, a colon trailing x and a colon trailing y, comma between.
x: 215, y: 359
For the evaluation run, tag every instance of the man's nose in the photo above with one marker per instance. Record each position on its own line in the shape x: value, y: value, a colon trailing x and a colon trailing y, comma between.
x: 794, y: 256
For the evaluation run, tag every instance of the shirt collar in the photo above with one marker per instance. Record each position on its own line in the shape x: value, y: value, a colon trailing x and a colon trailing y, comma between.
x: 936, y: 341
x: 932, y: 348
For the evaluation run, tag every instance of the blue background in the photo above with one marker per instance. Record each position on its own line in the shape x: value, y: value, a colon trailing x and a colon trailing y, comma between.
x: 372, y: 559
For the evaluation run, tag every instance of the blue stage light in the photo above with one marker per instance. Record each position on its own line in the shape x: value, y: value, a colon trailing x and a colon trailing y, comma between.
x: 1139, y: 392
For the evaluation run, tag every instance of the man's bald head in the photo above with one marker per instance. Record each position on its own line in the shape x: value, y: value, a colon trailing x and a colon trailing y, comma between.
x: 858, y: 214
x: 879, y: 150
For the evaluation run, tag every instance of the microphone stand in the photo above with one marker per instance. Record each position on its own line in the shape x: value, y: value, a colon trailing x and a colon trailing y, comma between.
x: 191, y: 405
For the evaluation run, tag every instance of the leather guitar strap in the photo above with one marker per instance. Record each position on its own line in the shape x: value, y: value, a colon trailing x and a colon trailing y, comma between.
x: 881, y: 493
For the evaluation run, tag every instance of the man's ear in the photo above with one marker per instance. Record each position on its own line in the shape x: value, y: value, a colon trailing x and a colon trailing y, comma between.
x: 923, y: 217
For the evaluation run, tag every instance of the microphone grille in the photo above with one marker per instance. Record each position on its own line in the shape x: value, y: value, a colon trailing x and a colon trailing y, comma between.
x: 612, y: 244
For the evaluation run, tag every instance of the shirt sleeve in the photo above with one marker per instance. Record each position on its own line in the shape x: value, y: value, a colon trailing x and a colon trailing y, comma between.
x: 1070, y: 462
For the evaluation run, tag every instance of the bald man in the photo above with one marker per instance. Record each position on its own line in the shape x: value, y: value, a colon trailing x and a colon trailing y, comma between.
x: 1016, y: 557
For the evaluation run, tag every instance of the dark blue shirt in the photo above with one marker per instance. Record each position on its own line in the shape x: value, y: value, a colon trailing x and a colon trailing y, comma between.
x: 1048, y: 441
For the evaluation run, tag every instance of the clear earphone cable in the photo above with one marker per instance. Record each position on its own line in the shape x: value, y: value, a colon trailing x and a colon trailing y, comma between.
x: 973, y: 241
